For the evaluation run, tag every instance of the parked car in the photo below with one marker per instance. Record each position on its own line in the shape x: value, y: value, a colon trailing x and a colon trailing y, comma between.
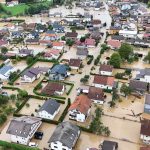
x: 38, y: 135
x: 33, y: 144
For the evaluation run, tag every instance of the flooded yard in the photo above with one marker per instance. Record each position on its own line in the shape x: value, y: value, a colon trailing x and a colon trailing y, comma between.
x: 31, y: 106
x: 123, y: 129
x: 95, y: 140
x: 130, y: 108
x: 43, y: 64
x: 47, y: 130
x: 19, y: 65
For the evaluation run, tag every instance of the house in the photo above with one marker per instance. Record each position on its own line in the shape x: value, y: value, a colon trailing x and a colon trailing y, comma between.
x: 145, y: 131
x: 82, y: 52
x: 71, y: 35
x: 22, y: 129
x: 146, y: 106
x: 138, y: 86
x: 90, y: 43
x: 118, y: 37
x: 53, y: 88
x: 3, y: 43
x: 128, y: 34
x: 52, y: 54
x: 75, y: 63
x: 25, y: 52
x: 58, y: 72
x: 105, y: 70
x: 104, y: 82
x: 109, y: 145
x: 32, y: 35
x: 114, y: 44
x: 114, y: 30
x: 96, y: 35
x: 30, y: 75
x: 49, y: 109
x: 58, y: 28
x: 5, y: 72
x: 142, y: 42
x: 80, y: 108
x: 96, y: 23
x: 96, y: 95
x: 32, y: 41
x: 144, y: 75
x: 64, y: 137
x: 50, y: 36
x: 58, y: 45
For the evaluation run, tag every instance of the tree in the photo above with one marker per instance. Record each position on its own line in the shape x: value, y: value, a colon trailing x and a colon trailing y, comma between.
x: 115, y: 60
x: 125, y: 89
x: 22, y: 94
x: 4, y: 50
x: 13, y: 75
x: 69, y: 42
x: 147, y: 58
x: 13, y: 97
x: 50, y: 27
x: 99, y: 112
x: 82, y: 39
x: 29, y: 60
x: 125, y: 51
x: 63, y: 38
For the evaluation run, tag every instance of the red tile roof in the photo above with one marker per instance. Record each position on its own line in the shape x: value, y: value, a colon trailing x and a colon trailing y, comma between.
x: 75, y: 62
x: 56, y: 43
x: 104, y: 67
x: 51, y: 88
x: 90, y: 42
x: 104, y: 80
x: 114, y: 43
x: 96, y: 93
x: 145, y: 127
x: 82, y: 103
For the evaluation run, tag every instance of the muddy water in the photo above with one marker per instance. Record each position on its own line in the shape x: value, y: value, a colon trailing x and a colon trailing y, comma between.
x: 95, y: 140
x: 33, y: 105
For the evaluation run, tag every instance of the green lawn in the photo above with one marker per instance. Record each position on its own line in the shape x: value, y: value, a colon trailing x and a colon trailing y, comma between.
x: 15, y: 10
x: 19, y: 9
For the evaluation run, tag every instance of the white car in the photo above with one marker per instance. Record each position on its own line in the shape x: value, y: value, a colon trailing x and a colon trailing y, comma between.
x: 33, y: 144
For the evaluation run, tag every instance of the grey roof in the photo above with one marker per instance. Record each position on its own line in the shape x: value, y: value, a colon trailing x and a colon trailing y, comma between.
x: 21, y: 126
x: 50, y: 106
x: 138, y: 85
x: 26, y: 51
x: 5, y: 69
x: 147, y: 99
x: 143, y: 72
x: 83, y: 52
x: 66, y: 133
x: 109, y: 145
x: 59, y: 69
x: 117, y: 37
x: 31, y: 72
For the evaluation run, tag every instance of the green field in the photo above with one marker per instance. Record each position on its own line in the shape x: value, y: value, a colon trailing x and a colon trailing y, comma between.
x: 19, y: 9
x: 15, y: 10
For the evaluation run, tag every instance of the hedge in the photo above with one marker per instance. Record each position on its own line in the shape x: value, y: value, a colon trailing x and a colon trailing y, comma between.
x: 62, y: 117
x: 15, y: 146
x: 71, y: 84
x: 85, y: 129
x: 20, y: 107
